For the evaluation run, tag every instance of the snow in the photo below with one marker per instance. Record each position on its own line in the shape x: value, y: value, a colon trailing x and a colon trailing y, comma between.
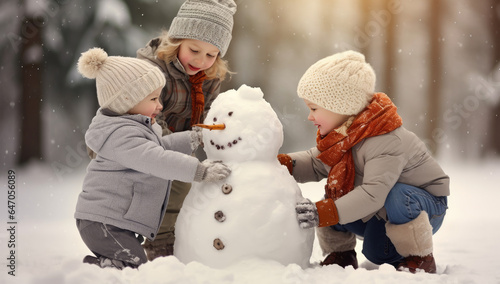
x: 256, y: 218
x: 259, y: 219
x: 114, y: 12
x: 49, y: 248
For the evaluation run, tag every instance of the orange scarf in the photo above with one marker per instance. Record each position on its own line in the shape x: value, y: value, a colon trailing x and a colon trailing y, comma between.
x: 197, y: 97
x: 378, y: 118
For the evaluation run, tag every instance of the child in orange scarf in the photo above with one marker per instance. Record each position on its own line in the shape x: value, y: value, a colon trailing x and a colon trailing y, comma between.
x: 382, y: 183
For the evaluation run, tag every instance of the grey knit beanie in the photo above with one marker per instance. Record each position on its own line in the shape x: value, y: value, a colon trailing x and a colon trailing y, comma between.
x: 206, y: 20
x: 342, y: 83
x: 122, y: 82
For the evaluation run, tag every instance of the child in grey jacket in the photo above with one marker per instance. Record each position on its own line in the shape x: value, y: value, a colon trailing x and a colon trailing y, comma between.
x: 381, y: 182
x: 126, y: 188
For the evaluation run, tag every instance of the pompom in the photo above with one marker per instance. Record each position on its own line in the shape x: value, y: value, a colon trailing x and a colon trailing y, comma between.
x: 354, y: 56
x: 91, y: 61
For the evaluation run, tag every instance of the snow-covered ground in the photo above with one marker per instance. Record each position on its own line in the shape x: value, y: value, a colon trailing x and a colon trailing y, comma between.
x: 49, y: 249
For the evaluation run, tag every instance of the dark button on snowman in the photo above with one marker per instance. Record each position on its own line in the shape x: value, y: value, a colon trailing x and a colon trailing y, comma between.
x: 227, y: 188
x: 251, y: 214
x: 219, y: 216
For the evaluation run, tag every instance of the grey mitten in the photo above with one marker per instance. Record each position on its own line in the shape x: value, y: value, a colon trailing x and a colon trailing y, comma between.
x: 307, y: 214
x: 211, y: 171
x: 196, y: 137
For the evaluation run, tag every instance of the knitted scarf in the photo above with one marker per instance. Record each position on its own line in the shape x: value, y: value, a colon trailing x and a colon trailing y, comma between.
x: 378, y: 118
x: 197, y: 97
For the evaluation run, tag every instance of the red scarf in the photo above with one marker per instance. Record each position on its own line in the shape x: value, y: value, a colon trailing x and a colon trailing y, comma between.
x: 378, y: 118
x: 197, y: 97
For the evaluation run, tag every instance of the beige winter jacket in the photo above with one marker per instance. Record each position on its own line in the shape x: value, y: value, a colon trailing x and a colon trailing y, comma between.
x: 380, y: 162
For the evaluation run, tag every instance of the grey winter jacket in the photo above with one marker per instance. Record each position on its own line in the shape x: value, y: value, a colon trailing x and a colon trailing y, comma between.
x: 380, y: 162
x: 127, y: 185
x: 176, y: 95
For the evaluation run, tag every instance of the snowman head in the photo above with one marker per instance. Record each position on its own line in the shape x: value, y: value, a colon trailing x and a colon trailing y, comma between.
x: 244, y: 127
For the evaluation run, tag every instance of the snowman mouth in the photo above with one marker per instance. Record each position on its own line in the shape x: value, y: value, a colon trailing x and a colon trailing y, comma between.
x: 226, y: 145
x: 221, y: 126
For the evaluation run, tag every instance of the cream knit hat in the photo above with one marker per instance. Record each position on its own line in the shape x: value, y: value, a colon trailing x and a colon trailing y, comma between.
x: 122, y: 82
x: 206, y: 20
x: 342, y: 83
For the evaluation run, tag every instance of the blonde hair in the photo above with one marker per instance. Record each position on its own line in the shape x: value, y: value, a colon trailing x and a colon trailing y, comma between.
x: 169, y: 47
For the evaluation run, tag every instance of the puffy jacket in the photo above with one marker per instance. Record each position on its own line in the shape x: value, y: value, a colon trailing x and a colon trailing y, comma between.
x: 380, y: 162
x: 125, y: 185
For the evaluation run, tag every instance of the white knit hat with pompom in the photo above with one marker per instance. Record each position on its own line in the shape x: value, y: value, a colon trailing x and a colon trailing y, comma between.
x: 342, y: 83
x: 122, y: 82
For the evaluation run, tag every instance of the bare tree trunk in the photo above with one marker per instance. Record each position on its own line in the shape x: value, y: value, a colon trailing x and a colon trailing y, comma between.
x: 366, y: 6
x: 435, y: 72
x: 495, y: 37
x: 390, y: 60
x: 31, y: 82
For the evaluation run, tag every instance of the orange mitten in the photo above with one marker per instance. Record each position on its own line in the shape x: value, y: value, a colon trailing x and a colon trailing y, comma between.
x: 286, y: 160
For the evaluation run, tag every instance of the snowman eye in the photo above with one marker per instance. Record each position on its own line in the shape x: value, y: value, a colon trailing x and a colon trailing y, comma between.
x: 230, y: 113
x: 215, y: 119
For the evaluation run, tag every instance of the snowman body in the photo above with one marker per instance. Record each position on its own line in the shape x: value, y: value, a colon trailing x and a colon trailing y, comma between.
x: 251, y: 214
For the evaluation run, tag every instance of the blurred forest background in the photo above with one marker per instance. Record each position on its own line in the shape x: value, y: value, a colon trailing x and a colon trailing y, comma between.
x: 437, y: 59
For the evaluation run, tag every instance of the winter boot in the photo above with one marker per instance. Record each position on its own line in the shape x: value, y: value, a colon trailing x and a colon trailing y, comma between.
x: 104, y: 262
x: 343, y: 259
x: 338, y: 246
x: 413, y: 241
x: 91, y: 260
x: 418, y: 263
x: 157, y: 248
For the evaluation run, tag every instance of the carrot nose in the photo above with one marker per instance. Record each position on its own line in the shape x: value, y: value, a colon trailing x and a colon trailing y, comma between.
x: 212, y: 127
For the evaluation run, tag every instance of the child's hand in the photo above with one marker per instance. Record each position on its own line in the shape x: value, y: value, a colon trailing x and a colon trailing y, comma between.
x: 196, y: 137
x: 213, y: 171
x: 307, y: 214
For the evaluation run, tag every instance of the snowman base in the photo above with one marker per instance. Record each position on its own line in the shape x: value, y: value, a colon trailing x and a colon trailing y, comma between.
x: 246, y: 216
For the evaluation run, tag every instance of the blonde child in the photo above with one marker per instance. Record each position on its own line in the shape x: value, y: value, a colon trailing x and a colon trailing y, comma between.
x: 127, y: 185
x: 382, y: 183
x: 190, y: 55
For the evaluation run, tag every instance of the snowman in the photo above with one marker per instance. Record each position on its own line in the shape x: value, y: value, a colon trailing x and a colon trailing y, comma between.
x: 251, y: 214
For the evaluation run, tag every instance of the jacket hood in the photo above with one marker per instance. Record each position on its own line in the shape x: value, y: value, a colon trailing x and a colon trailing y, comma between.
x: 105, y: 122
x: 148, y: 53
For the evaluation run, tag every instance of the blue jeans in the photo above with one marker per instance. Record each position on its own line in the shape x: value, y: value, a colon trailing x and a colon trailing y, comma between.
x: 403, y: 204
